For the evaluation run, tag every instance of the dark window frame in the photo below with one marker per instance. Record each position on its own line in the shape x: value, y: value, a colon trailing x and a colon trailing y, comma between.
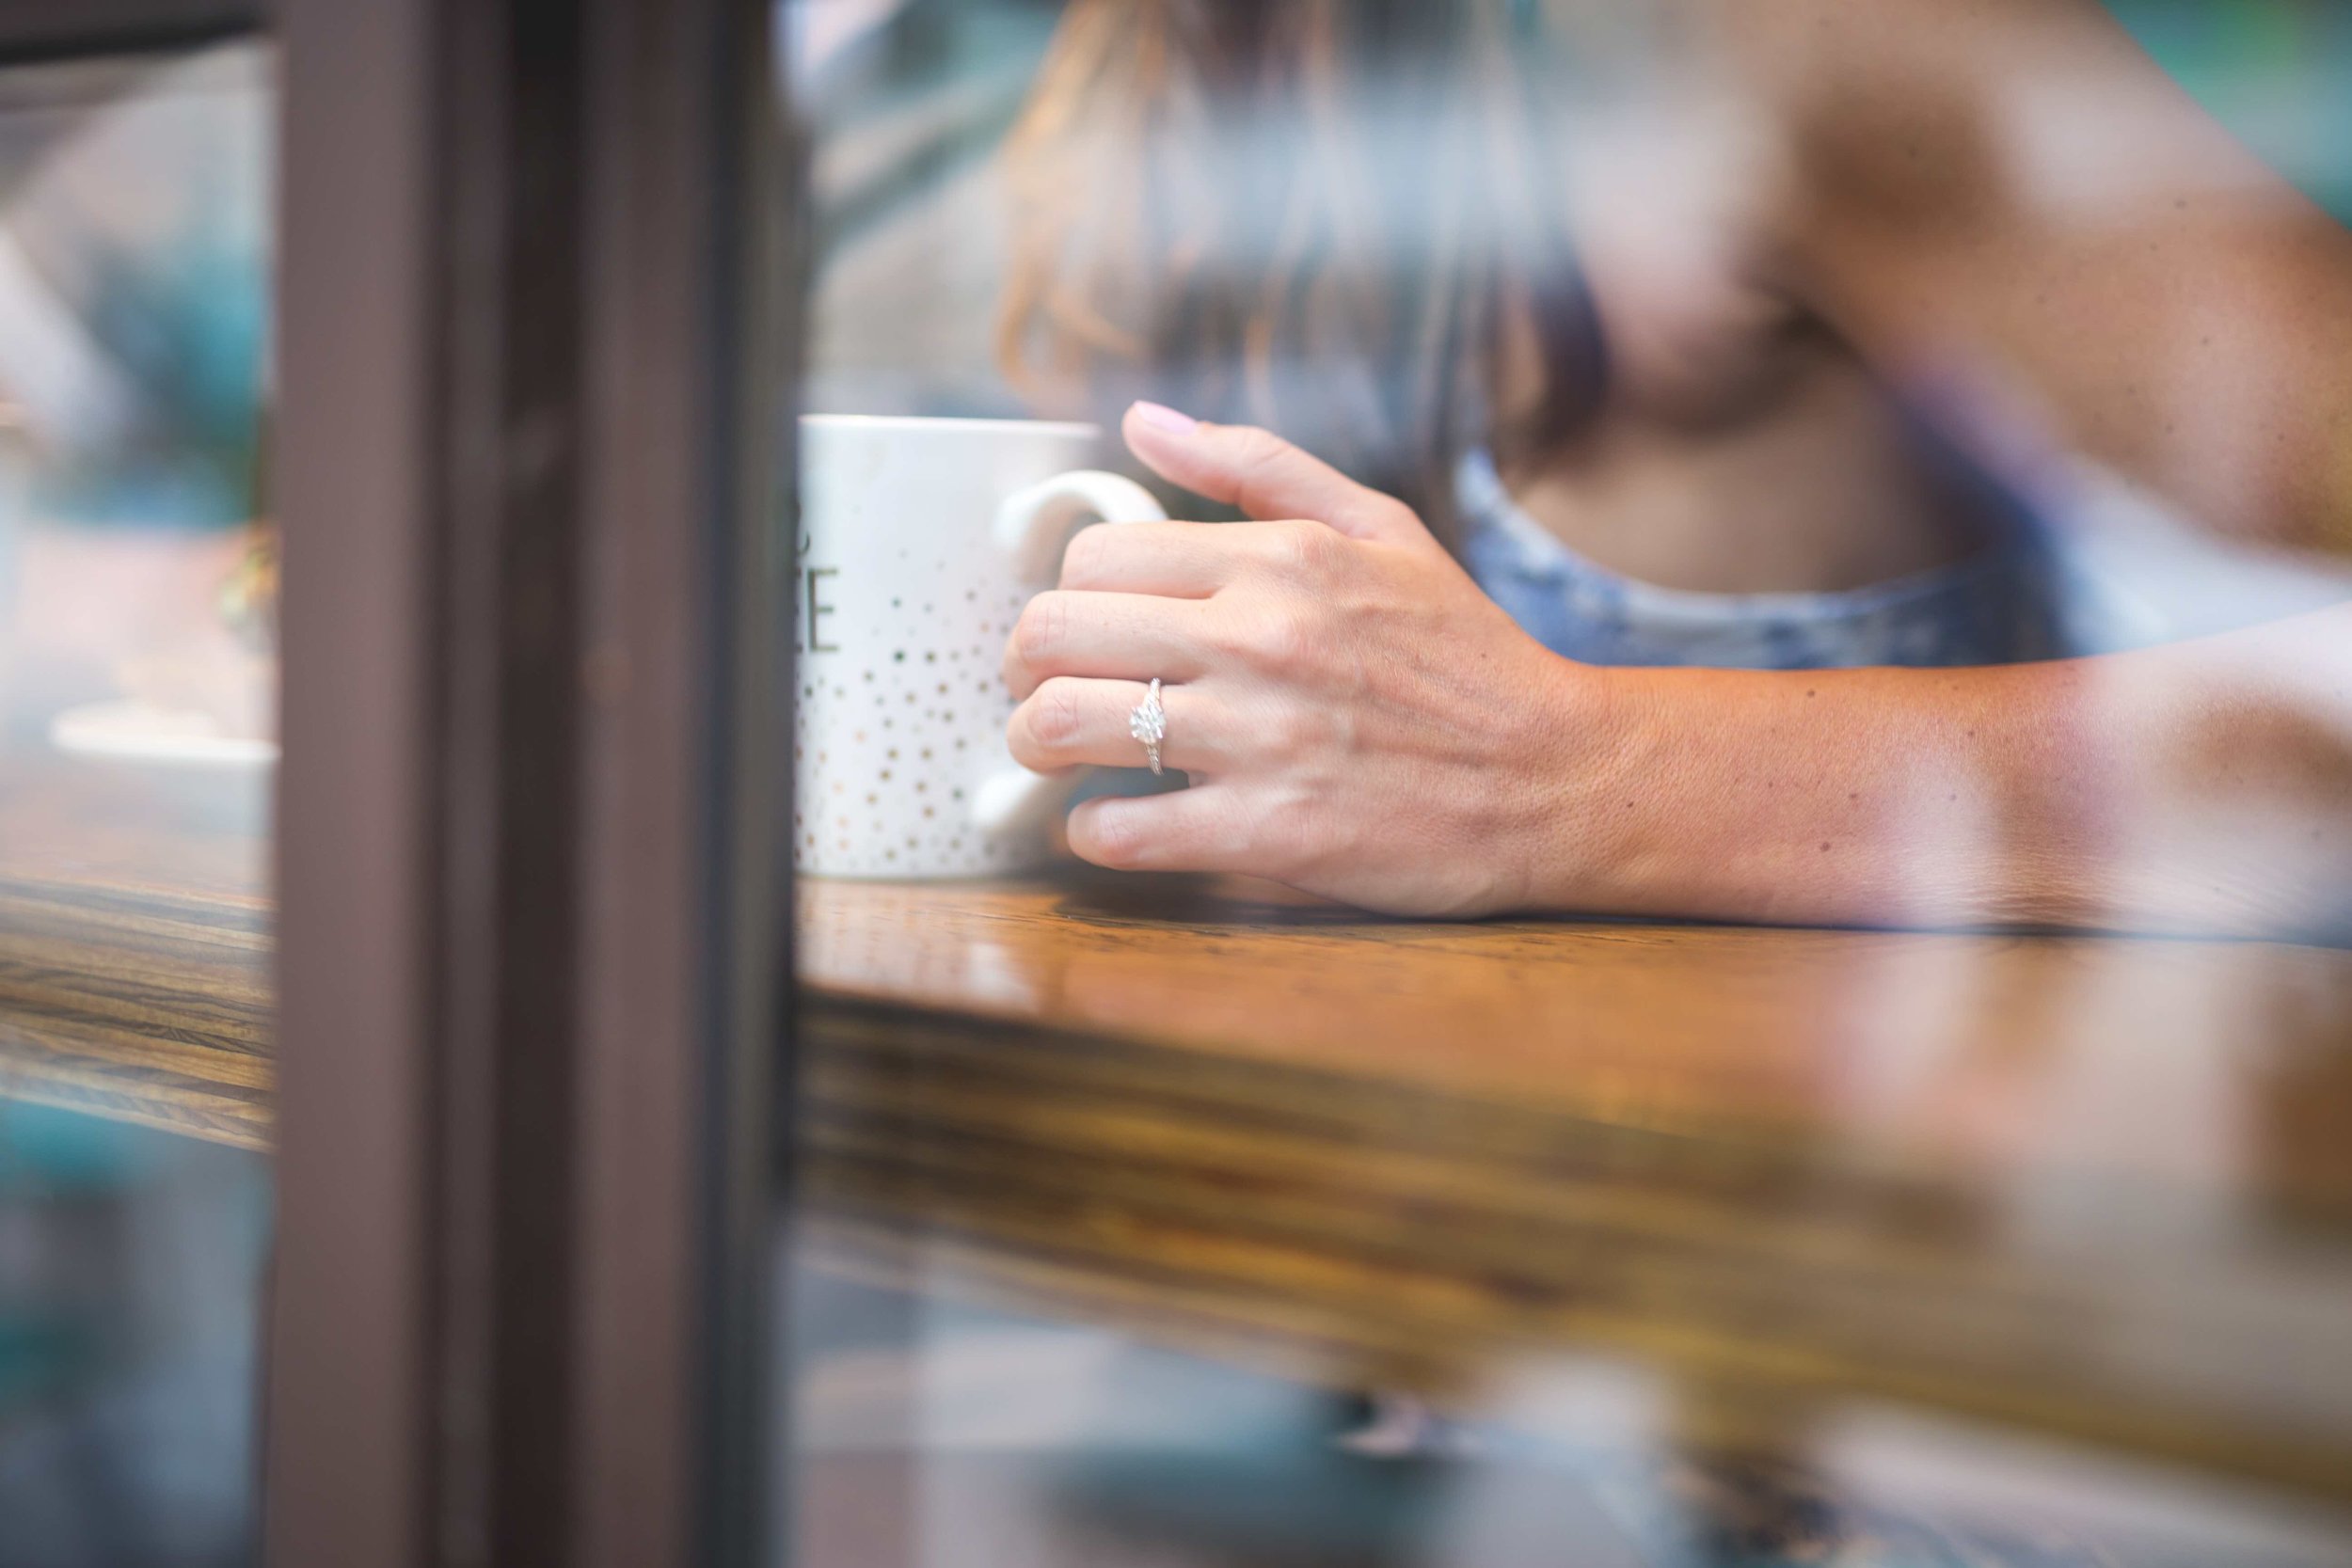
x: 529, y: 963
x: 37, y: 29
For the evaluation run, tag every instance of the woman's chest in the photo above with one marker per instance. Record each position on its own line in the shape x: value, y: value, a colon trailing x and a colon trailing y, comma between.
x: 1741, y: 446
x: 1675, y: 197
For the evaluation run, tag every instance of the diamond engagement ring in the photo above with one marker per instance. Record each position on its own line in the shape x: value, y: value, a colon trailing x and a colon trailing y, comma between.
x: 1148, y: 724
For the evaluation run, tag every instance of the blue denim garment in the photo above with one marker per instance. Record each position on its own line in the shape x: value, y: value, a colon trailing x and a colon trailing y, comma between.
x: 2000, y: 607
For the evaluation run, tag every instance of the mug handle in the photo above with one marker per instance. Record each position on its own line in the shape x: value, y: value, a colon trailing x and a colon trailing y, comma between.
x: 1033, y: 527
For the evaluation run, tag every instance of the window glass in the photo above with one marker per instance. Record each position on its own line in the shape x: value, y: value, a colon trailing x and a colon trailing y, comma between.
x: 137, y: 737
x: 1570, y: 783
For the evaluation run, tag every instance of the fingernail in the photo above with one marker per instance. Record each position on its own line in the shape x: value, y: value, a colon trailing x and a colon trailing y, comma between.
x: 1161, y: 417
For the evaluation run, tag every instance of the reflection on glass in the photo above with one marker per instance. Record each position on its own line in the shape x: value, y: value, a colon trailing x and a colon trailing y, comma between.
x: 137, y: 680
x: 1821, y: 518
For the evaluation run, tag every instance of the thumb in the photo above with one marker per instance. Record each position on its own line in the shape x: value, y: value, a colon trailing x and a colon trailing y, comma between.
x: 1269, y: 479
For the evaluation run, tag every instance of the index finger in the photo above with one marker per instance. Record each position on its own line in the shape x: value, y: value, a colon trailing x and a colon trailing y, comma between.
x: 1174, y: 561
x: 1267, y: 477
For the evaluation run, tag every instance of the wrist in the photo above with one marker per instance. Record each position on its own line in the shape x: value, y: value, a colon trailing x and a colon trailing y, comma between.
x: 1585, y: 834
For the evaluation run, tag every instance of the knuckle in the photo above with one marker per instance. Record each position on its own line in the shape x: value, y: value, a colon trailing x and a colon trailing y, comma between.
x: 1257, y: 451
x: 1290, y: 732
x: 1306, y: 550
x: 1020, y: 741
x: 1044, y: 629
x: 1114, y: 841
x: 1056, y: 718
x: 1089, y: 558
x: 1274, y: 638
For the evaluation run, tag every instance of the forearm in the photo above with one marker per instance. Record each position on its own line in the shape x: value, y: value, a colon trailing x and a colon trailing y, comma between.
x: 2205, y: 786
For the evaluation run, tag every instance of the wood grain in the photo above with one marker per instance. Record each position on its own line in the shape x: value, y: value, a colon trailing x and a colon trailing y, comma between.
x: 2088, y: 1186
x: 134, y: 943
x: 139, y: 1003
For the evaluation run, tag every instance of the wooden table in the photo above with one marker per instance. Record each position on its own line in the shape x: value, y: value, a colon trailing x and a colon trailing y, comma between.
x: 2095, y: 1187
x: 135, y: 944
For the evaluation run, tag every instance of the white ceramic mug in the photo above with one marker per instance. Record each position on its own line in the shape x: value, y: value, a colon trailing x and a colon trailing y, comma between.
x: 921, y: 540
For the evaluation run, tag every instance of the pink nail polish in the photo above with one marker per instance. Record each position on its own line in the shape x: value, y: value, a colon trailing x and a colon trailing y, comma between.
x: 1161, y: 417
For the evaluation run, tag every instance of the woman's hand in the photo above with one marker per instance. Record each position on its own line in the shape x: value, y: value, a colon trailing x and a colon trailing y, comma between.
x: 1358, y: 718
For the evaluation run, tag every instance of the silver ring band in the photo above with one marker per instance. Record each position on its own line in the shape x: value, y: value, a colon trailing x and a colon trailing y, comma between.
x: 1148, y: 724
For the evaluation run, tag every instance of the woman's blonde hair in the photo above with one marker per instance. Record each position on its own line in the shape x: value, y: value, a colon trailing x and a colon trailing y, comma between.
x: 1334, y: 218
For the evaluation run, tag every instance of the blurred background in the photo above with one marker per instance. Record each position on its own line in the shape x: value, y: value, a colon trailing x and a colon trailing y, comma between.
x: 908, y: 101
x: 137, y: 687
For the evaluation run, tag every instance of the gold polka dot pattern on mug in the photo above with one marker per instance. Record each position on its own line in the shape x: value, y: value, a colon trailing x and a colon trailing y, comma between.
x: 909, y: 729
